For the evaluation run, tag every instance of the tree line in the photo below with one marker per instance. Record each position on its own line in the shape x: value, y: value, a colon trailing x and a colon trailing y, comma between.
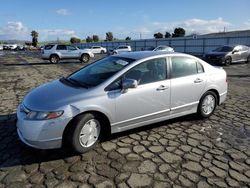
x: 178, y: 32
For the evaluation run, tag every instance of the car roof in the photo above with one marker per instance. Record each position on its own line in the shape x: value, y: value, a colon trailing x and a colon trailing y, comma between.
x: 142, y: 54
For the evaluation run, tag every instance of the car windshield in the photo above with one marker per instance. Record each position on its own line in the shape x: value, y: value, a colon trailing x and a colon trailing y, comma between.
x: 98, y: 72
x: 223, y: 49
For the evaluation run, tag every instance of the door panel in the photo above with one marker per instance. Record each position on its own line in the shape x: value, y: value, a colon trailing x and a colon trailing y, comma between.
x: 72, y: 52
x: 186, y: 91
x: 187, y: 83
x: 146, y: 101
x: 150, y: 100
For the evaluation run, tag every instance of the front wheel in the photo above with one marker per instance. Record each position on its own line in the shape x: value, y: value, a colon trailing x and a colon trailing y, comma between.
x: 85, y: 132
x: 207, y: 104
x: 228, y: 61
x: 85, y: 58
x: 102, y: 52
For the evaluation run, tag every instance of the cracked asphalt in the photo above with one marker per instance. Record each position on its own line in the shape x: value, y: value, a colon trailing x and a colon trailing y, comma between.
x: 183, y: 152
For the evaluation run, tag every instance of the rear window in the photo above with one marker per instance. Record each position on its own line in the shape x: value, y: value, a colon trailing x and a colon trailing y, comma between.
x: 48, y: 47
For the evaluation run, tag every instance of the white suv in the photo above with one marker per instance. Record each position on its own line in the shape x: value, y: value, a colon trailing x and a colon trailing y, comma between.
x: 97, y: 50
x: 57, y: 52
x: 121, y: 48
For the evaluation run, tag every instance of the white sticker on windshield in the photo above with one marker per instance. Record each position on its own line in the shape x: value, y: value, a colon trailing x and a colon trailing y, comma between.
x: 121, y: 62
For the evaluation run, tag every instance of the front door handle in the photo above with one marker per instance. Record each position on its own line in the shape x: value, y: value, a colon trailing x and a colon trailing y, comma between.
x: 198, y: 80
x: 162, y: 87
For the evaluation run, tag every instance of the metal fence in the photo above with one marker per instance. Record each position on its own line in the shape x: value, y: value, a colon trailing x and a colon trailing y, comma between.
x: 192, y: 45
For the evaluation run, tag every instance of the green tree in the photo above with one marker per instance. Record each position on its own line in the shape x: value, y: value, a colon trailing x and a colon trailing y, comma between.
x: 179, y: 32
x: 128, y: 38
x: 34, y: 36
x: 74, y: 40
x: 158, y: 35
x: 167, y: 35
x: 109, y: 36
x: 89, y: 39
x: 95, y: 38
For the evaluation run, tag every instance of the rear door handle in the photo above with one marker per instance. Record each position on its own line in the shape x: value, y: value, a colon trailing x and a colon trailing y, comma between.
x: 198, y: 80
x: 162, y: 87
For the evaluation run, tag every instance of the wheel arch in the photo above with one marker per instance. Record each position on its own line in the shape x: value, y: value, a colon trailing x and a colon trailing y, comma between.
x: 85, y: 53
x: 55, y: 54
x: 106, y: 129
x: 216, y: 93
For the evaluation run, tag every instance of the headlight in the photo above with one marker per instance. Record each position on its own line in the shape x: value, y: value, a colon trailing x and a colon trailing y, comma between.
x: 33, y: 115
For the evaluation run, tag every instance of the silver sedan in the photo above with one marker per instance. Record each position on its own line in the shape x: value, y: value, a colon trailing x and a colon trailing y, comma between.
x: 118, y: 93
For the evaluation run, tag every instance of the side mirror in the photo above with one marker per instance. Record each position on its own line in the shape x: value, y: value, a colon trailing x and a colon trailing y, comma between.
x: 234, y: 51
x: 129, y: 83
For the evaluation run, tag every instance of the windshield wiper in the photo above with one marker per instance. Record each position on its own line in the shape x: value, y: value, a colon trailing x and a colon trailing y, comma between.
x: 77, y: 82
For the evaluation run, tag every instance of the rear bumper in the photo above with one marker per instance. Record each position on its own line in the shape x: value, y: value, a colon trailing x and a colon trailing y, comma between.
x: 223, y: 97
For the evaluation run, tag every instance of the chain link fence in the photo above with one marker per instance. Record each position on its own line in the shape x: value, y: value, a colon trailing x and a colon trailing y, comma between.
x: 193, y: 45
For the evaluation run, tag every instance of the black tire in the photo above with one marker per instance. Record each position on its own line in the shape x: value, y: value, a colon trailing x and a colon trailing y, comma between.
x: 228, y: 61
x: 54, y: 59
x: 201, y: 111
x: 75, y: 132
x: 85, y: 58
x: 102, y: 51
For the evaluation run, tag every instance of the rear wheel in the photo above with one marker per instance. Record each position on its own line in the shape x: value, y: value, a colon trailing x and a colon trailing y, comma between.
x: 102, y: 52
x: 207, y: 104
x: 85, y: 58
x: 54, y: 59
x: 85, y: 132
x: 228, y: 61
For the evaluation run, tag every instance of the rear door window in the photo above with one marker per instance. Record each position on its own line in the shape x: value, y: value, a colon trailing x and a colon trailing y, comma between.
x: 185, y: 66
x: 71, y: 48
x: 61, y: 47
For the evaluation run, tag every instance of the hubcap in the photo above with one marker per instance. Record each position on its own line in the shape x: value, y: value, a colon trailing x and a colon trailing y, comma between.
x: 54, y: 59
x: 85, y: 58
x: 208, y: 104
x: 89, y: 133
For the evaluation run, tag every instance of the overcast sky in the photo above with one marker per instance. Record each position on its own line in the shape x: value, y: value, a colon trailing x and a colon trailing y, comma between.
x: 63, y: 18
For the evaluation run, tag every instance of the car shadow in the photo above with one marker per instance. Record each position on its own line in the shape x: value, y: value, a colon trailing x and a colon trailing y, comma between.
x: 15, y: 153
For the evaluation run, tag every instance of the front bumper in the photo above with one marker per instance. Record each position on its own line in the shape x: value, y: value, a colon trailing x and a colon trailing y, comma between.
x: 45, y: 144
x: 42, y: 134
x: 215, y: 60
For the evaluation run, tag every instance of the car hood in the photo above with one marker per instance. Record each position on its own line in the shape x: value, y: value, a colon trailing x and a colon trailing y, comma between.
x: 52, y: 96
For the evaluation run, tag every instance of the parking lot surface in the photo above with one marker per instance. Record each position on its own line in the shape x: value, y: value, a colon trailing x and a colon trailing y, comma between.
x: 184, y: 152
